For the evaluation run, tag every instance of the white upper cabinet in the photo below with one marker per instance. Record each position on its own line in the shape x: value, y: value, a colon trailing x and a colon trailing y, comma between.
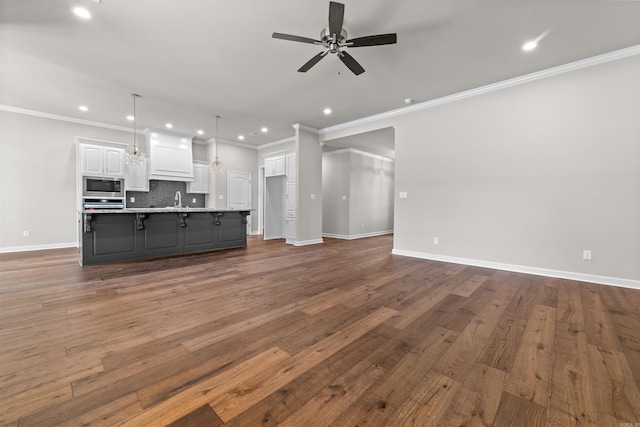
x: 170, y: 156
x: 200, y: 182
x: 137, y: 178
x: 274, y: 166
x: 102, y: 161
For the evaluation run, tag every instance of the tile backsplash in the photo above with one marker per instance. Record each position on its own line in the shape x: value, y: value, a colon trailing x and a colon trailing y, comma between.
x: 162, y: 194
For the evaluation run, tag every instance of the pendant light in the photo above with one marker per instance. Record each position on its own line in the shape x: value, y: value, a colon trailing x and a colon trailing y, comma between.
x: 216, y: 166
x: 134, y: 155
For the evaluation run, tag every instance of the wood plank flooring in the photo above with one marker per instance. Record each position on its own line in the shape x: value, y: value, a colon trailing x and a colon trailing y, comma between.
x: 338, y: 334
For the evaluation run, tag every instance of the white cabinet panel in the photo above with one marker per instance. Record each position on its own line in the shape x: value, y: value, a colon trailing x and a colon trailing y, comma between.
x: 114, y: 162
x: 274, y: 166
x: 291, y: 228
x: 292, y: 170
x: 200, y: 182
x: 239, y: 190
x: 96, y: 160
x: 291, y: 197
x: 137, y: 177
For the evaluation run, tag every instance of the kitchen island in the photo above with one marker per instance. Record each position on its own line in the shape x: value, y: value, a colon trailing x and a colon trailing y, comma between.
x: 111, y: 235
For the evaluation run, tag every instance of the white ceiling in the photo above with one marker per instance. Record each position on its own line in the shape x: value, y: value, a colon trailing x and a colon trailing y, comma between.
x: 194, y: 59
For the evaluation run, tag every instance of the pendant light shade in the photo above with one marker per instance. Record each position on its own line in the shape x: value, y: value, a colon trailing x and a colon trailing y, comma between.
x: 134, y: 155
x: 216, y: 166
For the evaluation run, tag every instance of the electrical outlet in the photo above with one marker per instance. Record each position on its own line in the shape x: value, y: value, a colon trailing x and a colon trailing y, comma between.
x: 586, y: 255
x: 313, y: 197
x: 132, y: 199
x: 435, y: 241
x: 194, y: 201
x: 403, y: 195
x: 25, y: 233
x: 220, y: 197
x: 344, y: 197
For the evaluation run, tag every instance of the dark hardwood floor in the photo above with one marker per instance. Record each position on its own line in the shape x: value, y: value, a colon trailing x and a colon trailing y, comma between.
x: 340, y: 334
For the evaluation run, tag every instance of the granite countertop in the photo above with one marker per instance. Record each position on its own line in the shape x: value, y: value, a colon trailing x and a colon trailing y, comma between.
x: 160, y: 210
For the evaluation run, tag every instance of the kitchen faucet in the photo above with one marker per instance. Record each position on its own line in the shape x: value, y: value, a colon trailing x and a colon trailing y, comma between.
x: 178, y: 199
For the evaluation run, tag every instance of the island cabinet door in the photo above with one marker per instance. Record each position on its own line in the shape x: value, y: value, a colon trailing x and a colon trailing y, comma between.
x: 200, y: 232
x: 233, y: 230
x: 160, y: 235
x: 111, y: 238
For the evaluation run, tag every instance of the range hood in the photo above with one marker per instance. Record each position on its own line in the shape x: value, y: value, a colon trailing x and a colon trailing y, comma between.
x: 170, y: 155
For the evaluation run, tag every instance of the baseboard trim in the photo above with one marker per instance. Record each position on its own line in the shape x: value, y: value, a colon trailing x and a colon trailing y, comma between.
x: 601, y: 280
x: 304, y: 242
x: 357, y: 236
x: 38, y: 247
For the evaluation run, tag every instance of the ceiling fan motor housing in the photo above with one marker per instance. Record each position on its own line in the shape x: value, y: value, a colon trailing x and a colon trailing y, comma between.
x: 331, y: 43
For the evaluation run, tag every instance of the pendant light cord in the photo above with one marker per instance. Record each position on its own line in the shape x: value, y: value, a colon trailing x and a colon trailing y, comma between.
x: 134, y: 95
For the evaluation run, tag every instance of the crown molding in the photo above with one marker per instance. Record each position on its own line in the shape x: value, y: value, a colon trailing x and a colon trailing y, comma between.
x: 299, y: 126
x: 58, y: 117
x: 543, y: 74
x: 226, y: 142
x: 274, y: 143
x: 354, y: 151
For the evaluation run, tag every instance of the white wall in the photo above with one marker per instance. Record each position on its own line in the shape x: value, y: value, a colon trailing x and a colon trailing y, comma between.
x: 371, y: 188
x: 38, y: 179
x: 335, y: 184
x: 525, y: 177
x: 357, y: 194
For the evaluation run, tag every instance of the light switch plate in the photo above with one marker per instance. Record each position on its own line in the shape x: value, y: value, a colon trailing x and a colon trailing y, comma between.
x: 403, y: 195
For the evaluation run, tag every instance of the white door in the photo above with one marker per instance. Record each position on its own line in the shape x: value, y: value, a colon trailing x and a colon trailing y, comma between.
x: 239, y: 192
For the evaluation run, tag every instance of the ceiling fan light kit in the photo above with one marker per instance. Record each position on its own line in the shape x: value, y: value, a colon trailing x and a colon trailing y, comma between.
x: 334, y: 39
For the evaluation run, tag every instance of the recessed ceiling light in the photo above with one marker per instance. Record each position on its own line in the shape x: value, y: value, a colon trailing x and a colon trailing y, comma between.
x: 264, y: 130
x: 83, y: 108
x: 240, y: 137
x: 130, y: 118
x: 327, y: 111
x: 200, y: 132
x: 530, y: 45
x: 168, y: 125
x: 81, y: 12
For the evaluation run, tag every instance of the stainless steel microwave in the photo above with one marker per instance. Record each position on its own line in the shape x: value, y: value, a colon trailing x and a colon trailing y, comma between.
x: 102, y: 187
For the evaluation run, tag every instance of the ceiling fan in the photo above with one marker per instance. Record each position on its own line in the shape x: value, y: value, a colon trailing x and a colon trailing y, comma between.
x: 334, y: 40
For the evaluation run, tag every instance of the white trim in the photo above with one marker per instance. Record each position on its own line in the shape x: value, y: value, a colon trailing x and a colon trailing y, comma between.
x: 38, y: 247
x: 602, y: 280
x: 362, y: 153
x: 357, y: 236
x: 278, y: 153
x: 65, y: 118
x: 549, y: 72
x: 92, y: 141
x: 227, y: 142
x: 304, y: 242
x: 300, y: 127
x: 281, y: 141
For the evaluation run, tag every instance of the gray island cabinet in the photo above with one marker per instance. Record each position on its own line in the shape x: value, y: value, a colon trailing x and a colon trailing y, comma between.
x: 129, y: 234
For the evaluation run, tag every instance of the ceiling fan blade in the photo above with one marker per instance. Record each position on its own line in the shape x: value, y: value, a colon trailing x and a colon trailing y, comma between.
x: 376, y: 40
x: 336, y: 17
x: 351, y: 63
x: 313, y: 61
x: 295, y: 38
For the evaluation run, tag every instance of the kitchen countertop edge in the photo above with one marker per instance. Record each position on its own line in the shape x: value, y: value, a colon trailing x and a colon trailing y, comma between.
x: 159, y: 210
